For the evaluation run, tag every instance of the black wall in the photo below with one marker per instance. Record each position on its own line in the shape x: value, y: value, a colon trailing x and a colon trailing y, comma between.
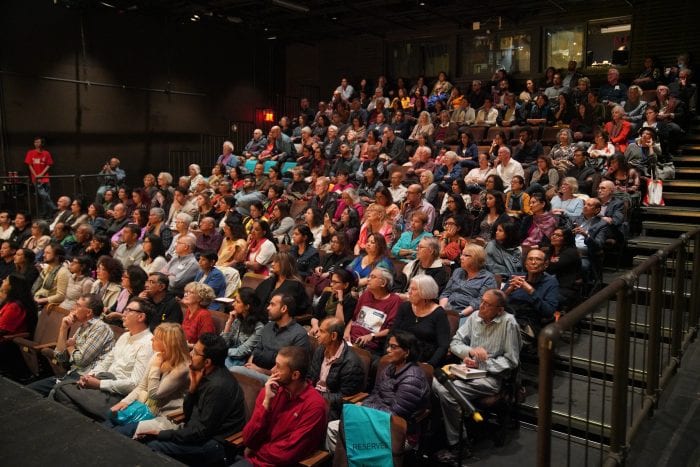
x: 215, y: 76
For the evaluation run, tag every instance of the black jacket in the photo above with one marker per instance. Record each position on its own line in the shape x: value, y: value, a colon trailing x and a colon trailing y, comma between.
x: 345, y: 378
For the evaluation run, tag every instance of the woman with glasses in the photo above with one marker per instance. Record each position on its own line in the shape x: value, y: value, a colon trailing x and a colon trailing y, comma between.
x: 338, y: 301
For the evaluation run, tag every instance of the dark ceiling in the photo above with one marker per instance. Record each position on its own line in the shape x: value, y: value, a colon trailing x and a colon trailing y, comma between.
x: 311, y: 20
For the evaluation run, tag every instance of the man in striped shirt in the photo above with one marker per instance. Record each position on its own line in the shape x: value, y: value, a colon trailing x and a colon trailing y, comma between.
x: 488, y: 340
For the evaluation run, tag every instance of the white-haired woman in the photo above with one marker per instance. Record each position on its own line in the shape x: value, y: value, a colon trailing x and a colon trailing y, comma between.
x: 423, y: 127
x: 425, y: 319
x: 195, y: 176
x: 566, y: 201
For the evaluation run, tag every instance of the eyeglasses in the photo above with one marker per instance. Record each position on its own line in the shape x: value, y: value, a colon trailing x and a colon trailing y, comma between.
x: 133, y: 310
x: 393, y: 346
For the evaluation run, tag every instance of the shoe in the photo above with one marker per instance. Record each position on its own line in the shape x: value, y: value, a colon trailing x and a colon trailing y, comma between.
x: 452, y: 458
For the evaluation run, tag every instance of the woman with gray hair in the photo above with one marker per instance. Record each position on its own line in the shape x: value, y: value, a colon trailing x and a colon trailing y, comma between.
x: 566, y: 202
x: 427, y: 262
x: 195, y: 176
x: 618, y: 129
x: 39, y: 238
x: 197, y: 319
x: 425, y: 319
x: 562, y: 153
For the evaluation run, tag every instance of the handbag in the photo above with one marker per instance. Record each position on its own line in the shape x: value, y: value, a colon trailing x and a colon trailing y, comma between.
x: 665, y: 171
x: 136, y: 412
x: 654, y: 195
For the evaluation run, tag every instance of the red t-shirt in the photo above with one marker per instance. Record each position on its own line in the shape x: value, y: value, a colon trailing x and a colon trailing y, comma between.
x: 12, y: 318
x: 38, y: 160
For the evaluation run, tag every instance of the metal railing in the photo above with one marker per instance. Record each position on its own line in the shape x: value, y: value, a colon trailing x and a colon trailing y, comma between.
x: 15, y: 193
x: 604, y: 365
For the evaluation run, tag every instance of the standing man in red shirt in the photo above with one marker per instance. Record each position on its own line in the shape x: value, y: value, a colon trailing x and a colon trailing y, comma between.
x: 289, y: 420
x: 39, y: 162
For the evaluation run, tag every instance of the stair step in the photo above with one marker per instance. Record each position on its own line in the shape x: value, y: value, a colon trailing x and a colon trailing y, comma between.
x: 688, y: 170
x: 672, y: 211
x: 687, y: 159
x: 670, y: 264
x: 645, y: 242
x: 681, y: 196
x: 669, y: 226
x: 682, y: 184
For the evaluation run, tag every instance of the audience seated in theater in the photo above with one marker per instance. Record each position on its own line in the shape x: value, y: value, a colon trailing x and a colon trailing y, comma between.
x: 492, y: 213
x: 212, y: 276
x: 517, y: 200
x: 117, y: 373
x: 213, y: 407
x: 18, y: 314
x: 545, y: 176
x: 375, y: 312
x: 166, y: 306
x: 402, y: 388
x: 243, y: 327
x: 477, y: 94
x: 468, y: 282
x: 539, y: 113
x: 133, y: 282
x: 153, y: 259
x: 183, y: 267
x: 39, y: 237
x: 504, y: 253
x: 255, y: 146
x: 534, y: 297
x: 625, y: 177
x: 281, y: 331
x: 528, y: 149
x: 130, y: 251
x: 566, y: 202
x: 335, y: 370
x: 644, y: 153
x: 564, y: 263
x: 337, y: 300
x: 62, y: 212
x: 91, y: 343
x: 7, y: 258
x: 163, y: 385
x: 50, y: 287
x: 108, y: 279
x: 289, y: 418
x: 634, y: 108
x: 590, y: 232
x: 507, y: 167
x: 425, y: 319
x: 24, y: 265
x: 612, y: 211
x: 487, y: 115
x: 406, y: 245
x: 21, y: 231
x: 488, y: 340
x: 197, y: 320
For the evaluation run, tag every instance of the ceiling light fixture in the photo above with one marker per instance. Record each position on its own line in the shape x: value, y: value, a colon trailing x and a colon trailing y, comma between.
x: 291, y: 6
x: 617, y: 28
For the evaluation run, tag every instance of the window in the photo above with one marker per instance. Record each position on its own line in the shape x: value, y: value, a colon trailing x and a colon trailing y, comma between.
x: 484, y: 54
x: 414, y: 58
x: 563, y: 44
x: 608, y: 41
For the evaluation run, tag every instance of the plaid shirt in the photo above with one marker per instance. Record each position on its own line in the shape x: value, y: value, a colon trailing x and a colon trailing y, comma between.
x: 93, y: 340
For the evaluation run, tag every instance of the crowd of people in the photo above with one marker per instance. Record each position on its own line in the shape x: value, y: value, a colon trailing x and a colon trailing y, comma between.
x: 369, y: 222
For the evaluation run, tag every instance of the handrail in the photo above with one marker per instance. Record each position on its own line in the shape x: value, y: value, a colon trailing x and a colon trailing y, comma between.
x: 621, y: 288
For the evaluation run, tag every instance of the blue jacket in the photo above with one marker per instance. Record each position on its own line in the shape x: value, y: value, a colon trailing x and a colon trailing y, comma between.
x: 216, y: 281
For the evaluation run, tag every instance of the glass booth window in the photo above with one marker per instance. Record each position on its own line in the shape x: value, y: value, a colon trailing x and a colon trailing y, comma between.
x: 608, y: 41
x: 413, y: 58
x: 484, y: 54
x: 563, y: 44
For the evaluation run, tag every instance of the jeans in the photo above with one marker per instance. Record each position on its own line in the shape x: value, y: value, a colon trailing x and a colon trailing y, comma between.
x: 210, y: 452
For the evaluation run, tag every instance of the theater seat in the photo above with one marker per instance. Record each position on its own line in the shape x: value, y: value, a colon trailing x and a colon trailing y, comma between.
x: 45, y: 336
